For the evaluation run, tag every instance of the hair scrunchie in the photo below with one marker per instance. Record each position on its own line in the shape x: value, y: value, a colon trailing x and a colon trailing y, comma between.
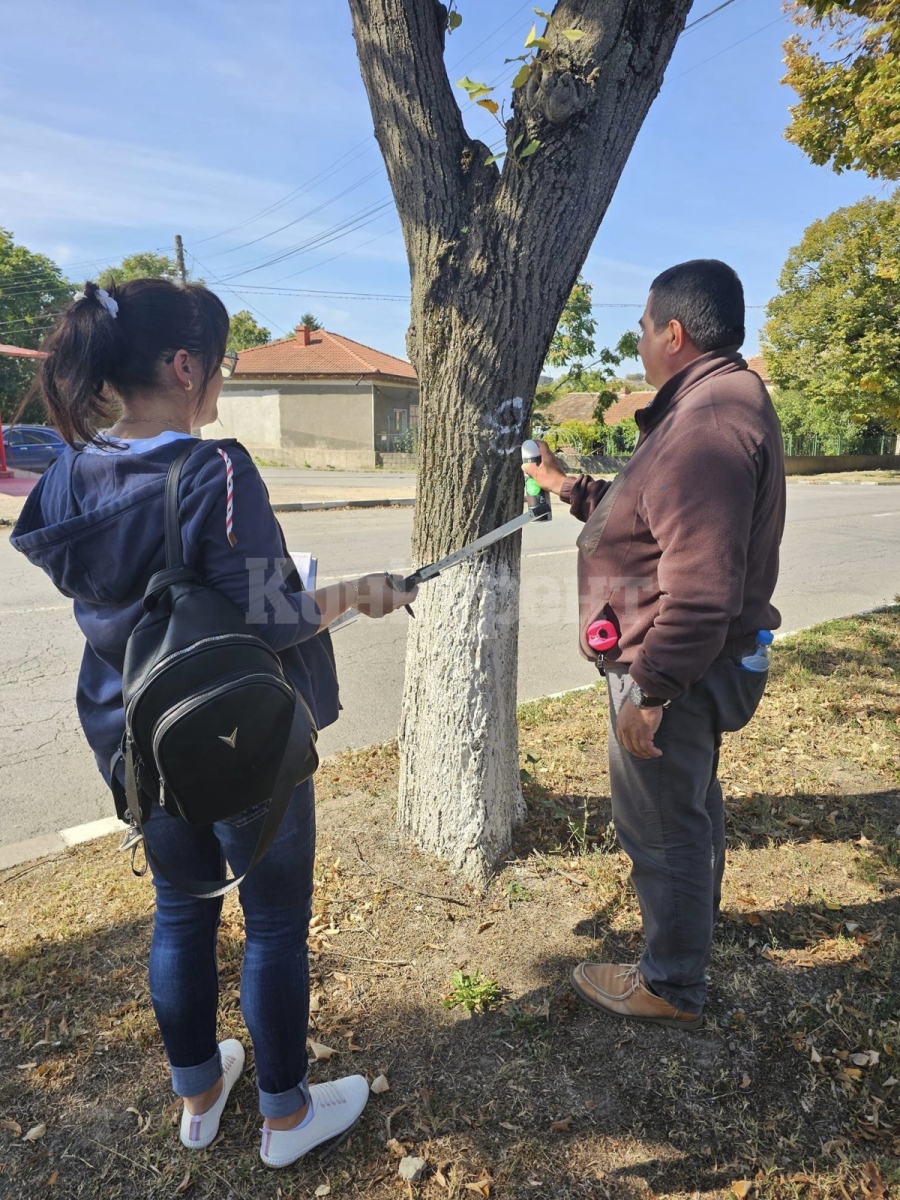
x: 101, y: 294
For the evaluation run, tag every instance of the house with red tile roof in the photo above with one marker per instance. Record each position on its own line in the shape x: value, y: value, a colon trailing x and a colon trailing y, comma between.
x: 758, y: 364
x: 319, y: 399
x: 579, y: 406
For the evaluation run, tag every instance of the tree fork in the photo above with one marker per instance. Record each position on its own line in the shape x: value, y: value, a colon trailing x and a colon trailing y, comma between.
x: 493, y: 256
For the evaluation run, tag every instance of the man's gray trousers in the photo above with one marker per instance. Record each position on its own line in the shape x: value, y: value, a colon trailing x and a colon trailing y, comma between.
x: 669, y: 817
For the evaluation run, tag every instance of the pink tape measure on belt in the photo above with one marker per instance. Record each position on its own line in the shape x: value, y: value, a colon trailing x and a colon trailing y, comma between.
x: 602, y: 636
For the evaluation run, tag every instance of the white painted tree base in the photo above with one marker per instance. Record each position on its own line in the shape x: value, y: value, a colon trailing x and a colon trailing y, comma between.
x: 460, y: 795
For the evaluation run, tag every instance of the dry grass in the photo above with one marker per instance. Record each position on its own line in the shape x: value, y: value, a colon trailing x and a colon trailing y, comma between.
x: 790, y: 1086
x: 877, y: 476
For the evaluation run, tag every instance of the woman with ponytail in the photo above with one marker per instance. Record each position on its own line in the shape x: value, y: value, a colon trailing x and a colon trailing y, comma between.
x: 130, y: 372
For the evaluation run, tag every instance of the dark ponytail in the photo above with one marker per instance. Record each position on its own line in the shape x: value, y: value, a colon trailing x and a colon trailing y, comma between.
x: 109, y: 344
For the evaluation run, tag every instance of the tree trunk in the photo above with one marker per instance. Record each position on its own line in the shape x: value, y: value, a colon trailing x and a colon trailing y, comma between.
x: 493, y: 256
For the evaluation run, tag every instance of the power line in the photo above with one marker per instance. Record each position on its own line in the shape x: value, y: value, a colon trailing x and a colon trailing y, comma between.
x: 240, y: 297
x: 712, y: 12
x: 305, y: 216
x: 724, y: 49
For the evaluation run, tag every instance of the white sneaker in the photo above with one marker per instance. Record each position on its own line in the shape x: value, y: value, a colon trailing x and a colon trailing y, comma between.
x: 336, y: 1106
x: 199, y: 1130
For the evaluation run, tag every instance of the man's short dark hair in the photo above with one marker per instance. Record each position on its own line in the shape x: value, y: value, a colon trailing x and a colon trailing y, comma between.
x: 707, y: 297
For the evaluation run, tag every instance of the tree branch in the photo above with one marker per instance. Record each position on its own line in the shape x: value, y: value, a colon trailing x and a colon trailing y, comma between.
x: 418, y: 123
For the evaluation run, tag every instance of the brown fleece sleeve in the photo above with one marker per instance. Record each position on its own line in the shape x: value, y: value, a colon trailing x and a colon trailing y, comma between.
x: 582, y: 494
x: 699, y: 509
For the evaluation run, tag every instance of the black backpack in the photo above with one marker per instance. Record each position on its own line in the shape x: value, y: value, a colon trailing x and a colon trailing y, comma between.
x: 212, y: 726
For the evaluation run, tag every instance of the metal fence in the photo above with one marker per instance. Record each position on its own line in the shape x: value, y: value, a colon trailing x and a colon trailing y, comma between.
x: 813, y: 445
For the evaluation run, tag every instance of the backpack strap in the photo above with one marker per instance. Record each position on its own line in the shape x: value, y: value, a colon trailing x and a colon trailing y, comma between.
x: 287, y: 779
x: 174, y: 550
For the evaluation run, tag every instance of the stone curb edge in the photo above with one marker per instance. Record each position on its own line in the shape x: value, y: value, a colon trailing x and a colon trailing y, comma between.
x: 328, y: 505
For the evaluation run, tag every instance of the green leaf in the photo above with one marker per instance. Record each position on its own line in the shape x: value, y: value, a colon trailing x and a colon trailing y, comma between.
x: 517, y: 143
x: 518, y: 58
x: 546, y: 16
x: 494, y: 158
x: 530, y: 149
x: 574, y: 35
x: 491, y: 105
x: 474, y: 89
x: 532, y: 37
x: 521, y: 76
x: 454, y: 20
x: 542, y: 43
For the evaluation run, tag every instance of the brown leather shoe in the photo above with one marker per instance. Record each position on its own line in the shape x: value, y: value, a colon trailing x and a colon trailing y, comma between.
x: 621, y: 991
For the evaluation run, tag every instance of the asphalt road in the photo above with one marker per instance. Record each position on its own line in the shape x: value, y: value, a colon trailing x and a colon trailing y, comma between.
x: 840, y: 555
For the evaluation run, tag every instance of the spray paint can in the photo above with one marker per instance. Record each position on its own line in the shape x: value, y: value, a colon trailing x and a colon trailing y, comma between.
x: 536, y: 497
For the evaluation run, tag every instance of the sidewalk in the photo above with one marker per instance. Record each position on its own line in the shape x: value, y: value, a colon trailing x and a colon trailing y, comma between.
x: 294, y: 496
x: 12, y: 494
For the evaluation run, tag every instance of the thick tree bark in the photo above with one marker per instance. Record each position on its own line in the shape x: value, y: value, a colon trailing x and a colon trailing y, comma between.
x: 493, y: 256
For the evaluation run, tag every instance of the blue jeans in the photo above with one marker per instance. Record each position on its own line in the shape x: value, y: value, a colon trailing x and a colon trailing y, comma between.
x: 277, y: 902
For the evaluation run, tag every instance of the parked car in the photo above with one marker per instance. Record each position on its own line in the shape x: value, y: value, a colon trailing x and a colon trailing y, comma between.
x: 31, y: 447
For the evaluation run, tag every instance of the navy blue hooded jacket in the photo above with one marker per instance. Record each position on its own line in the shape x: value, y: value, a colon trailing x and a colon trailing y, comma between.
x: 94, y: 523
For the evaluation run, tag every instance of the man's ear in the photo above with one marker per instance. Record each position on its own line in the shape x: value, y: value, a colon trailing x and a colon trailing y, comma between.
x: 677, y: 337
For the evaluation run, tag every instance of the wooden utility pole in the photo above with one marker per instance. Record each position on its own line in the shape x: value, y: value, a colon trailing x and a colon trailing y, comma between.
x: 179, y: 258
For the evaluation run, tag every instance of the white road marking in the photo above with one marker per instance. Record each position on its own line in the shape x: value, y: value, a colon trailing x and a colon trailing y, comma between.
x: 19, y: 612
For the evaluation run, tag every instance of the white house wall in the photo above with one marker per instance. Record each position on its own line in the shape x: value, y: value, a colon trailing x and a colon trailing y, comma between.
x: 316, y: 424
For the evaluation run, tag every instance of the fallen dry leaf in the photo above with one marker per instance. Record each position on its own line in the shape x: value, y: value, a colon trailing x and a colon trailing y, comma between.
x: 745, y: 1081
x: 485, y: 925
x: 561, y: 1126
x: 324, y: 1189
x: 380, y: 1085
x: 185, y: 1182
x: 754, y: 919
x: 872, y: 1176
x: 815, y: 1056
x: 54, y: 1175
x: 481, y: 1187
x: 36, y: 1131
x: 396, y: 1148
x: 321, y: 1053
x: 13, y: 1126
x: 742, y: 1188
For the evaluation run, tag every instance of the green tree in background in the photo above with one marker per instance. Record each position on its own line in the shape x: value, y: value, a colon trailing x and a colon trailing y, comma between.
x: 311, y: 321
x: 832, y: 332
x: 32, y: 290
x: 848, y: 113
x: 574, y: 337
x: 244, y: 332
x: 142, y: 266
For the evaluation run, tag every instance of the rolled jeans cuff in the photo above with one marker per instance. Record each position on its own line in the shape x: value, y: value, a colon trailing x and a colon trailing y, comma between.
x: 191, y: 1081
x: 283, y: 1104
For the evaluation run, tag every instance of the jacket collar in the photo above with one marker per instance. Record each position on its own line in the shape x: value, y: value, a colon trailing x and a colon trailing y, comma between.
x: 704, y: 367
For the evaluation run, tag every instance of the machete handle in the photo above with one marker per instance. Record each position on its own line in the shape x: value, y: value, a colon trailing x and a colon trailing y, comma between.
x: 407, y: 586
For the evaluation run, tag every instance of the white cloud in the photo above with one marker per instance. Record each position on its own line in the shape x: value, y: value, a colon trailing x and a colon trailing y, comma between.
x: 49, y: 175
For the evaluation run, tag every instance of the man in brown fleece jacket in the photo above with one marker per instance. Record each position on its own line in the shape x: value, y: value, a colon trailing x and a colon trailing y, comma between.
x: 680, y: 552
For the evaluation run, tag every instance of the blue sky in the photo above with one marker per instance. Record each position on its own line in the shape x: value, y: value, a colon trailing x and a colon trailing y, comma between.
x: 122, y: 125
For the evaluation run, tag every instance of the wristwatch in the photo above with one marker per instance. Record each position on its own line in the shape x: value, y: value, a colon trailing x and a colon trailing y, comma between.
x: 641, y: 700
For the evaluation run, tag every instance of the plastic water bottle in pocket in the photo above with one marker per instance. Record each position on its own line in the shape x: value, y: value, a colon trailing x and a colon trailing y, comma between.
x: 758, y: 661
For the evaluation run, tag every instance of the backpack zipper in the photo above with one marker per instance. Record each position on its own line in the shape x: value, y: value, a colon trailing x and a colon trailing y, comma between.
x: 176, y: 654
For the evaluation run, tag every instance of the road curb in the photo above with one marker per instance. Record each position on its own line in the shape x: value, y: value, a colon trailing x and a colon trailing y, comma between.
x: 49, y: 844
x: 329, y: 505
